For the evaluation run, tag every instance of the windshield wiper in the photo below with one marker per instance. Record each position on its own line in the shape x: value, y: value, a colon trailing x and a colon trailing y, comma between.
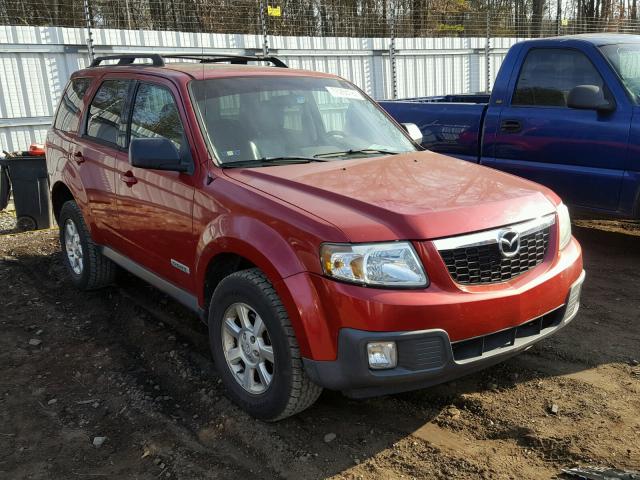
x: 344, y: 153
x: 271, y: 161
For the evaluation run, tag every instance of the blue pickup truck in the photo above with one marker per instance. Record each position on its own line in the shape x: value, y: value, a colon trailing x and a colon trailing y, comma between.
x: 564, y: 112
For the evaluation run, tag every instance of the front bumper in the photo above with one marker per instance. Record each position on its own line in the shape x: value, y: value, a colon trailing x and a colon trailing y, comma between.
x: 428, y: 357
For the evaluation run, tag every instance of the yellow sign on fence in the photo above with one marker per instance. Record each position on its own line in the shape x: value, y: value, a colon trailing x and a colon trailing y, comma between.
x: 274, y: 11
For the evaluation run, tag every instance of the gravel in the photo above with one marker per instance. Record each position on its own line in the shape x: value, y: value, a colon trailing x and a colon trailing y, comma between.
x: 7, y: 222
x: 99, y: 441
x: 329, y: 437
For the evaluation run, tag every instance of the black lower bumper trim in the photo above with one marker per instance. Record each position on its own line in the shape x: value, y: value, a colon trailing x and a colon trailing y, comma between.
x: 426, y: 357
x: 352, y: 375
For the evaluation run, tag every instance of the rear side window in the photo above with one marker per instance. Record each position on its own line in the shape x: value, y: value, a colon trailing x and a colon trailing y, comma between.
x: 548, y: 74
x: 68, y: 117
x: 155, y: 115
x: 105, y: 111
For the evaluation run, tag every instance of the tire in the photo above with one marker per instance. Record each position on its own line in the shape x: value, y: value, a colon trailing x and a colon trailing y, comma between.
x: 95, y: 270
x: 290, y: 390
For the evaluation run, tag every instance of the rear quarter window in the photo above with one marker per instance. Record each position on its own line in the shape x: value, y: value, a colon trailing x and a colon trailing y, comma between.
x: 70, y: 109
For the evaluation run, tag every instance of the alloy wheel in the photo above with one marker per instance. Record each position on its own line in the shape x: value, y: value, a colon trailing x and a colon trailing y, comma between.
x: 73, y: 246
x: 247, y: 348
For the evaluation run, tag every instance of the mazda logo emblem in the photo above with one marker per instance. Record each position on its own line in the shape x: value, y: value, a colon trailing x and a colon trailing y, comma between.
x: 509, y: 243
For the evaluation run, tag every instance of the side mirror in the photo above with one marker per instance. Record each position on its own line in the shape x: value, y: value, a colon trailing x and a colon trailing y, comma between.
x: 155, y: 154
x: 589, y: 97
x: 413, y: 131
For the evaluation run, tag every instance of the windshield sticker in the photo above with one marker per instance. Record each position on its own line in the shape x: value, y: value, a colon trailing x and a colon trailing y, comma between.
x: 344, y: 93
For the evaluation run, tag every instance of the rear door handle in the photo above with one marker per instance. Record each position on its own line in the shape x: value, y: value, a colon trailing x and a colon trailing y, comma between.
x: 511, y: 126
x: 128, y: 178
x: 78, y: 157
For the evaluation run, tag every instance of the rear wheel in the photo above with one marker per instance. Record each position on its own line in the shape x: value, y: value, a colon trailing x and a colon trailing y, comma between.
x: 255, y: 348
x: 87, y: 267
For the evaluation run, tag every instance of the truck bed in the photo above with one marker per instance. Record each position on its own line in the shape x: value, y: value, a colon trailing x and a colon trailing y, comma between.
x: 460, y: 98
x: 449, y: 124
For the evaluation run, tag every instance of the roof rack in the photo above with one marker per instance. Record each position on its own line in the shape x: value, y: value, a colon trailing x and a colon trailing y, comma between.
x: 158, y: 60
x: 129, y: 59
x: 229, y: 57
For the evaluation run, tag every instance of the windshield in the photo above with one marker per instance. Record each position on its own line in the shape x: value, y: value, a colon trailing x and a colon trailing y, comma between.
x: 262, y: 118
x: 625, y: 58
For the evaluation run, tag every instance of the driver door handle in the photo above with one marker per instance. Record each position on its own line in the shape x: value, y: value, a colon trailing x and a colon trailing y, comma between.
x: 78, y: 157
x: 511, y: 126
x: 128, y: 178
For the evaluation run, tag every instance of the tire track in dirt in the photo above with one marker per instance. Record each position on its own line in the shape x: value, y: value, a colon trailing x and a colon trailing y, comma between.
x: 134, y: 352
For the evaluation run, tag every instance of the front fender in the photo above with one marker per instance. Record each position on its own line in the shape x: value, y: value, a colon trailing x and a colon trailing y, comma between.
x: 252, y: 239
x: 278, y: 257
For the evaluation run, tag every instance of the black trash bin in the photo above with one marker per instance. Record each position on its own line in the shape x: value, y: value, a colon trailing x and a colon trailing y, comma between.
x: 30, y: 186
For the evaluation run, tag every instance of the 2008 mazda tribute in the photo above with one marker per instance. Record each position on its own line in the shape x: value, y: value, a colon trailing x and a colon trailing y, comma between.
x: 322, y: 245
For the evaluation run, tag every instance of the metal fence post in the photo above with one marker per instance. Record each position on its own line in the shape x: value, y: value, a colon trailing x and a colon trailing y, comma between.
x: 263, y: 23
x: 392, y: 53
x: 487, y: 48
x: 87, y: 17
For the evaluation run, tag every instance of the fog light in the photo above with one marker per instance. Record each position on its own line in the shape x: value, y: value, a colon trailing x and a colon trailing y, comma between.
x: 382, y: 355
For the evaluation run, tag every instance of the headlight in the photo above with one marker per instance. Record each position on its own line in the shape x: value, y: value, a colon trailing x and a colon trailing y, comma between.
x: 385, y: 264
x: 564, y: 225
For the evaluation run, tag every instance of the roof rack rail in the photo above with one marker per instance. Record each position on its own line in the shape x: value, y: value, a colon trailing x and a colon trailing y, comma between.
x: 229, y: 57
x: 129, y: 59
x: 158, y: 60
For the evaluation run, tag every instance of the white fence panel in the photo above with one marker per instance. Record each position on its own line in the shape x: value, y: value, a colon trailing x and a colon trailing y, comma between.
x: 36, y: 62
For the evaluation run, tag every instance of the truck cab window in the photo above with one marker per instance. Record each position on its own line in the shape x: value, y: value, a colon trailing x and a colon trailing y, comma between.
x: 548, y: 74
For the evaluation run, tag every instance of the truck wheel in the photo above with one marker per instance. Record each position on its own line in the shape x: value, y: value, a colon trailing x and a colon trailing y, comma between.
x: 87, y: 267
x: 255, y: 349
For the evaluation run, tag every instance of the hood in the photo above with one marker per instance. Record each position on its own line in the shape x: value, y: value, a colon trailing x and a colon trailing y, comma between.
x: 412, y: 196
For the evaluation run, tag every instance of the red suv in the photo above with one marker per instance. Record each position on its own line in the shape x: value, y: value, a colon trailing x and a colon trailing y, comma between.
x: 322, y: 245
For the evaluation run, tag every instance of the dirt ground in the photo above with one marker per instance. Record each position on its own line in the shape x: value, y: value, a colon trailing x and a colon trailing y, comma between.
x: 131, y: 365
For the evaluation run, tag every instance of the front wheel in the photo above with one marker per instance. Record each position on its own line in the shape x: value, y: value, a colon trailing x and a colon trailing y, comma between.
x: 255, y: 349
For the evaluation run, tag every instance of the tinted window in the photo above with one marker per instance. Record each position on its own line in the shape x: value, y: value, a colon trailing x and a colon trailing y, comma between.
x: 68, y: 116
x: 155, y: 115
x: 548, y: 75
x: 106, y: 109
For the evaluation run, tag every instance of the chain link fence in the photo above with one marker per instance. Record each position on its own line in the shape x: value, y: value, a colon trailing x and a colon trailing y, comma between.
x: 334, y: 18
x: 390, y: 48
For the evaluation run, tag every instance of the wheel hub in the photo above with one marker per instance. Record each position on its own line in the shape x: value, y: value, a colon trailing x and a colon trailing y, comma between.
x: 249, y: 346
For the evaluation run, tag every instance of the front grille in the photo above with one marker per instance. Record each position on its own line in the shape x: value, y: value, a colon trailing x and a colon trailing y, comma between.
x: 481, y: 264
